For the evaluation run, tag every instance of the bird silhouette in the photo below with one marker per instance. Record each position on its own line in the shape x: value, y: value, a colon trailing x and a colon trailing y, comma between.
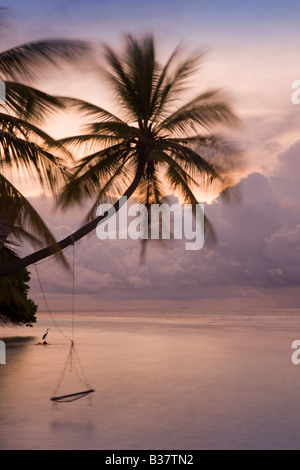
x: 45, y: 336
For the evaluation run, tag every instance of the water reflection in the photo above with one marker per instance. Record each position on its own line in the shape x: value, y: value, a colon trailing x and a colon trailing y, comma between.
x: 170, y: 382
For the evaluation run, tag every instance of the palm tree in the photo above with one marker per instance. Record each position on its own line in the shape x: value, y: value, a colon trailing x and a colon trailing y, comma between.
x: 24, y: 146
x: 156, y: 142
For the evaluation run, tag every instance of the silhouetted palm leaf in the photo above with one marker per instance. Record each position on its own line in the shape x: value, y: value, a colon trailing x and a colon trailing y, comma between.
x: 24, y: 146
x: 20, y: 215
x: 30, y: 103
x: 26, y: 61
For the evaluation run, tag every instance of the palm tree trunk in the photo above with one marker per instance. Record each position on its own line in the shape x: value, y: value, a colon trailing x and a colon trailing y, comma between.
x: 71, y: 239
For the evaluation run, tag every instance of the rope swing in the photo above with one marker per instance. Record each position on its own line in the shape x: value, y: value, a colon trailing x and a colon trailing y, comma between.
x: 73, y: 363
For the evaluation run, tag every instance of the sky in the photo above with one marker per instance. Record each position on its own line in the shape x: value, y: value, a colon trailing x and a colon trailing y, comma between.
x: 252, y: 53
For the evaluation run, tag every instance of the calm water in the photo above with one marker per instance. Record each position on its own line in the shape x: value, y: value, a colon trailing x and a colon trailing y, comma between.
x: 178, y: 379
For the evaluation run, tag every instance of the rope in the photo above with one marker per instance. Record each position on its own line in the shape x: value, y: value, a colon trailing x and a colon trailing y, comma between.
x: 73, y: 360
x: 48, y: 308
x: 73, y: 294
x: 69, y: 359
x: 77, y: 363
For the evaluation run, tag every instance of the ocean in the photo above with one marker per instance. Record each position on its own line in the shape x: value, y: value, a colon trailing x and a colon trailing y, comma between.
x: 177, y: 379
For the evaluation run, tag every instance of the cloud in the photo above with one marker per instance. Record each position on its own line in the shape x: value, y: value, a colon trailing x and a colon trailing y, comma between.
x: 257, y: 254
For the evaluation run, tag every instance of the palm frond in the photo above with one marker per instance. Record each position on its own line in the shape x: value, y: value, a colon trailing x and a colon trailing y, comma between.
x: 113, y: 187
x: 91, y: 172
x: 117, y: 129
x: 89, y: 142
x: 18, y: 233
x: 90, y: 109
x: 121, y: 83
x: 184, y: 169
x: 31, y: 133
x: 170, y: 85
x: 26, y: 61
x: 29, y: 103
x: 108, y: 154
x: 142, y: 71
x: 17, y: 210
x: 206, y: 111
x: 190, y: 159
x: 150, y: 191
x: 215, y: 142
x: 158, y: 94
x: 20, y: 152
x: 179, y: 183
